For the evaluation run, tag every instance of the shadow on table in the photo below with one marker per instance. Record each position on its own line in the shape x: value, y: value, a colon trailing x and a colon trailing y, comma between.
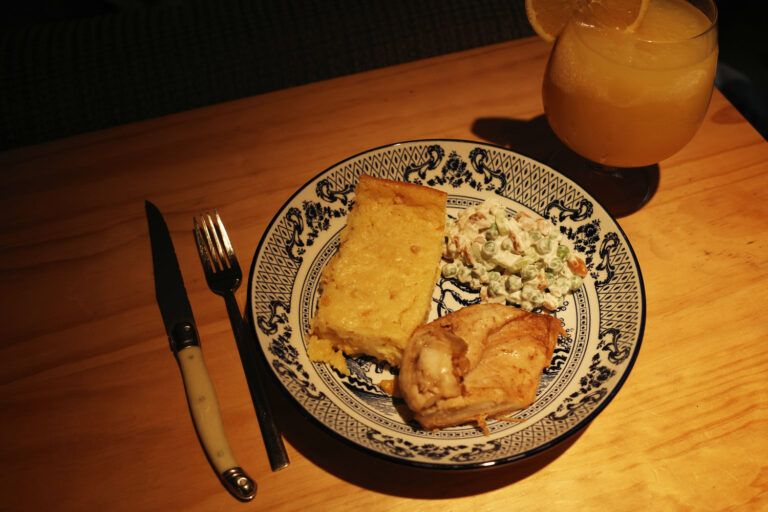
x: 370, y: 472
x: 621, y: 194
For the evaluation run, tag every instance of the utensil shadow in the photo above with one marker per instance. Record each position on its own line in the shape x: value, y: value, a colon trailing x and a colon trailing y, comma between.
x: 621, y: 193
x: 370, y: 472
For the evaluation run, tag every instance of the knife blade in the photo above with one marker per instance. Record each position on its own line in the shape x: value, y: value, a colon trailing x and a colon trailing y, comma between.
x: 185, y: 343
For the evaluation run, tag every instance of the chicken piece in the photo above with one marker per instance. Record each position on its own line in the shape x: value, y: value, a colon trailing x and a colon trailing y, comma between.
x: 478, y: 362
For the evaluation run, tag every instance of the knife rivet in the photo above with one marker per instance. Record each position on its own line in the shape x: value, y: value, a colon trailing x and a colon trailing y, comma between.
x: 183, y: 335
x: 239, y: 483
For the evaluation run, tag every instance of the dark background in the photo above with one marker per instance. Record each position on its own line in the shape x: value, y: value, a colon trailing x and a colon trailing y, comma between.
x: 73, y: 66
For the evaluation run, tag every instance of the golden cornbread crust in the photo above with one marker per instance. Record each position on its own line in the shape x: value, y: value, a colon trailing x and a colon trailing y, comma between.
x: 377, y: 289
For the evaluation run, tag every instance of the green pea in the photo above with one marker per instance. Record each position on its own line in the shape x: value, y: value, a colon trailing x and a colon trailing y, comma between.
x: 515, y: 297
x: 464, y: 274
x: 556, y: 264
x: 535, y: 236
x: 528, y: 292
x: 479, y: 272
x: 492, y: 232
x: 495, y: 288
x: 576, y: 283
x: 529, y: 272
x: 494, y: 276
x: 506, y: 244
x: 514, y: 283
x: 562, y: 251
x: 544, y: 245
x: 450, y: 270
x: 489, y: 249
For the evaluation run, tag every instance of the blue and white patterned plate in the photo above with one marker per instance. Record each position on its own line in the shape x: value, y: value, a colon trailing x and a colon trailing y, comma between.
x: 604, y: 319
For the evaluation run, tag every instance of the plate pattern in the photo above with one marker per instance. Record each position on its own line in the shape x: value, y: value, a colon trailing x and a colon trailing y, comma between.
x: 604, y: 319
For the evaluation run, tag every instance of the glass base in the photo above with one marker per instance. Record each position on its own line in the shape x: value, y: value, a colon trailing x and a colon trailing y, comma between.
x: 621, y: 190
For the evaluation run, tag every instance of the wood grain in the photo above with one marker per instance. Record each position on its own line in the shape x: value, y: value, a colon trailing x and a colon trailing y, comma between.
x: 93, y: 410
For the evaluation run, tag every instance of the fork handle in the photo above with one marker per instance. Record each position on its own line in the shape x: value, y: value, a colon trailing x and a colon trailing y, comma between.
x: 249, y: 357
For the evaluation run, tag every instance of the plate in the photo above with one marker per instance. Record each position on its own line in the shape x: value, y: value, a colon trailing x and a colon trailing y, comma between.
x: 604, y: 319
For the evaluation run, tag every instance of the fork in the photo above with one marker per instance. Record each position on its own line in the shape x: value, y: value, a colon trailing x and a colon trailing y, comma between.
x: 223, y: 274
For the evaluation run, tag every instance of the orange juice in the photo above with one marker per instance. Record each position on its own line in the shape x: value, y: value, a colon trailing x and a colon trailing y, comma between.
x: 632, y: 99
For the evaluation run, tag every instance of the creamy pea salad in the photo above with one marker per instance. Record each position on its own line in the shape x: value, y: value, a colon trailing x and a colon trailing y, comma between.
x: 519, y: 260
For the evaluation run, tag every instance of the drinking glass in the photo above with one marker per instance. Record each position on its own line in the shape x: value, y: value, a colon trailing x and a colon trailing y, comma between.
x: 626, y: 101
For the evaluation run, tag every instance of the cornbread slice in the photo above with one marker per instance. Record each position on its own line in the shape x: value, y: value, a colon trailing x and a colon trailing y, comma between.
x: 377, y: 289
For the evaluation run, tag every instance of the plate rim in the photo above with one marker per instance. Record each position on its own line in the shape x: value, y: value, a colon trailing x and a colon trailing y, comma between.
x: 578, y: 427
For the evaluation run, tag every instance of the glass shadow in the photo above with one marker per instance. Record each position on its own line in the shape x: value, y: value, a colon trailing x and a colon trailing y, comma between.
x: 621, y: 191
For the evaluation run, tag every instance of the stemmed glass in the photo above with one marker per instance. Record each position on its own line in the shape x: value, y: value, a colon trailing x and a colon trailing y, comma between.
x: 626, y: 101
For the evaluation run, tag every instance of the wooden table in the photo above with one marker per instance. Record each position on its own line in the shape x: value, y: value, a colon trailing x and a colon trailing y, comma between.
x: 93, y: 409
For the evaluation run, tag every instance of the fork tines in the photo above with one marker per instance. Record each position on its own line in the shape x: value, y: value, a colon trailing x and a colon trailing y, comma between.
x: 212, y: 240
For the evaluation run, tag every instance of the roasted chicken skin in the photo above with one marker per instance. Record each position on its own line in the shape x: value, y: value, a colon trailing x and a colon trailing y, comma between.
x: 478, y: 362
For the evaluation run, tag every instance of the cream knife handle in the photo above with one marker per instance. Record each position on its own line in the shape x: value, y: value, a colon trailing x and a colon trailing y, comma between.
x: 207, y: 417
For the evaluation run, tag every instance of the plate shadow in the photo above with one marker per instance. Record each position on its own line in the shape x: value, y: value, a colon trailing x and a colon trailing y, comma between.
x: 370, y: 472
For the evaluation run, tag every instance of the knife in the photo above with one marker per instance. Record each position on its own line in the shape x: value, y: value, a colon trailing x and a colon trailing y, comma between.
x: 185, y: 344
